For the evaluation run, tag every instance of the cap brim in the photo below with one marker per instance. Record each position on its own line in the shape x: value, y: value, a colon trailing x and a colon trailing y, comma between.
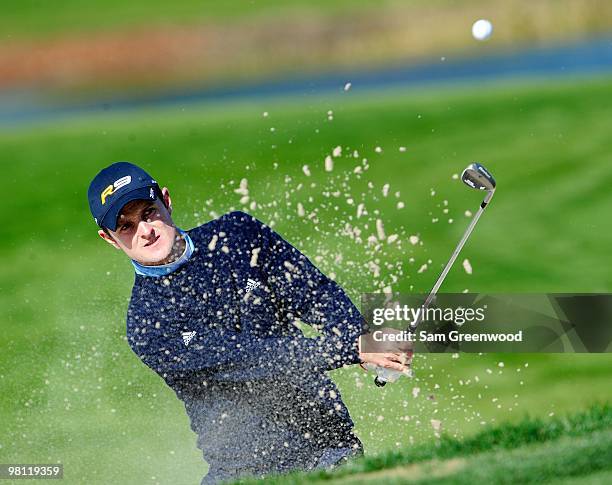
x: 110, y: 218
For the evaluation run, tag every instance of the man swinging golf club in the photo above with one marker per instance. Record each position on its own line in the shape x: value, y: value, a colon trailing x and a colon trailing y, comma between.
x: 212, y: 312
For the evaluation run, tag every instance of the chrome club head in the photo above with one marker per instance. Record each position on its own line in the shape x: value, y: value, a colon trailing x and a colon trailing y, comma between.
x: 478, y: 177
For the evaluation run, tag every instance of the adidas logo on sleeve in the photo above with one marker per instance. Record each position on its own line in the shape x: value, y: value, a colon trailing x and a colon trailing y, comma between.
x: 187, y: 337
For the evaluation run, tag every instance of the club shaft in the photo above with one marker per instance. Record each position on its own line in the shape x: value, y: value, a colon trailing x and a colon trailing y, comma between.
x: 379, y: 380
x: 456, y: 252
x: 452, y: 259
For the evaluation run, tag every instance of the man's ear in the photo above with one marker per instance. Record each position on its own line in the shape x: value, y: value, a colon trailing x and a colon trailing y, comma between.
x: 108, y: 239
x: 166, y: 199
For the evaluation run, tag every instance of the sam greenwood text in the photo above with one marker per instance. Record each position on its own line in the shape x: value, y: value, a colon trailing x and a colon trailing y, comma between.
x: 452, y: 336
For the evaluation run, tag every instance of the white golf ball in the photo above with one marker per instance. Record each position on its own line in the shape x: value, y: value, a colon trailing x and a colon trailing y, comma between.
x: 482, y: 29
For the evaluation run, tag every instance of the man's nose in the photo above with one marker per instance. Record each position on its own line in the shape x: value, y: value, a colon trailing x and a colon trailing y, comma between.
x: 146, y: 229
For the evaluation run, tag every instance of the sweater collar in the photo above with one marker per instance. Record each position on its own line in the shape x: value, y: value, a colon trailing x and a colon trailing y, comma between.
x: 164, y: 269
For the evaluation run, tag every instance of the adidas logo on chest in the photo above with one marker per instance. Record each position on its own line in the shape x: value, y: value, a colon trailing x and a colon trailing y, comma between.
x: 251, y: 285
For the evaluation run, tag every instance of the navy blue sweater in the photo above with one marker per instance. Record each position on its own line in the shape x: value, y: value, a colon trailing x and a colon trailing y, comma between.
x: 253, y: 385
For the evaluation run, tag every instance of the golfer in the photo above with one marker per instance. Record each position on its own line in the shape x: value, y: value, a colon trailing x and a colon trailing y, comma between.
x: 212, y: 311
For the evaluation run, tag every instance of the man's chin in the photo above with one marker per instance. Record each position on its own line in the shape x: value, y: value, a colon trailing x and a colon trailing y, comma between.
x: 154, y: 258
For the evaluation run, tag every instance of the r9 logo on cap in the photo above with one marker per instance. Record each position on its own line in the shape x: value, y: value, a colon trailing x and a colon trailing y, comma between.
x: 117, y: 184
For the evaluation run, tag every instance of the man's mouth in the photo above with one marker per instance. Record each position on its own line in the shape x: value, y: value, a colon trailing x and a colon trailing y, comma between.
x: 152, y: 242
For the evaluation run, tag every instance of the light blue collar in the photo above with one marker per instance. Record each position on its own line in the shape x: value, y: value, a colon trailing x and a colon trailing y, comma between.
x: 164, y: 269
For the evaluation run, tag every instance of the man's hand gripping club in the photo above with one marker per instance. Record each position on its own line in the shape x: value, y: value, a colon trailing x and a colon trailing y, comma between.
x: 390, y: 360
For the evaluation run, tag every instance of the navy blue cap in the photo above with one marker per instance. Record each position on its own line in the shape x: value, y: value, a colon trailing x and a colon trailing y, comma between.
x: 115, y: 186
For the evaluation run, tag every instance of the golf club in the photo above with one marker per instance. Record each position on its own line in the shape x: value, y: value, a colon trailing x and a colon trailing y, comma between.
x: 477, y: 177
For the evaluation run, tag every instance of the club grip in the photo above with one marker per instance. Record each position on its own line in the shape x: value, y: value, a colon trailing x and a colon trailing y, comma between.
x: 379, y: 382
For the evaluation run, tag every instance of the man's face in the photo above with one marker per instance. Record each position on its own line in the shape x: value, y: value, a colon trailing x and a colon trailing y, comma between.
x: 145, y: 231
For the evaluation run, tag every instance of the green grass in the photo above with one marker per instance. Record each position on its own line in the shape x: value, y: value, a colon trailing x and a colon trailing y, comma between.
x: 530, y: 451
x: 33, y: 18
x: 72, y: 391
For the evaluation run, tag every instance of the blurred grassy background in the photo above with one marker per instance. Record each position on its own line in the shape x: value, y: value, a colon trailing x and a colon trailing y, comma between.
x: 73, y: 392
x: 32, y: 18
x: 100, y: 48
